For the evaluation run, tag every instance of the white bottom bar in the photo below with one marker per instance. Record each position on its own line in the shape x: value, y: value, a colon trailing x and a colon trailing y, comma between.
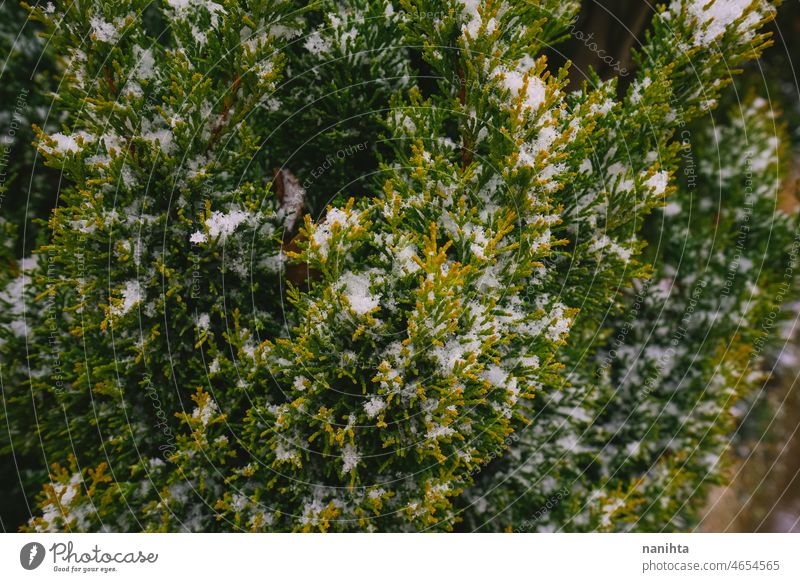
x: 400, y: 557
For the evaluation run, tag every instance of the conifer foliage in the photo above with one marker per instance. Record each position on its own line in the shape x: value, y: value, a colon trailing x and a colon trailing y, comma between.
x: 371, y: 266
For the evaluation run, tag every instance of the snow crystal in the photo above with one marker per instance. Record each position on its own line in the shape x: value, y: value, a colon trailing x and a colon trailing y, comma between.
x: 633, y: 448
x: 470, y: 14
x: 102, y: 30
x: 376, y: 493
x: 530, y: 361
x: 535, y: 92
x: 13, y: 294
x: 315, y: 44
x: 602, y: 108
x: 203, y: 321
x: 67, y: 143
x: 145, y: 62
x: 479, y: 240
x: 610, y: 509
x: 548, y: 173
x: 162, y: 136
x: 708, y: 104
x: 745, y: 264
x: 547, y: 136
x: 605, y: 243
x: 439, y: 431
x: 350, y: 458
x: 713, y: 20
x: 560, y: 325
x: 222, y: 224
x: 131, y: 296
x: 71, y: 490
x: 324, y: 231
x: 182, y: 9
x: 558, y: 329
x: 29, y: 263
x: 638, y: 87
x: 404, y: 259
x: 374, y: 406
x: 206, y: 411
x: 283, y: 453
x: 496, y: 375
x: 19, y: 327
x: 283, y: 32
x: 620, y: 171
x: 402, y: 120
x: 658, y: 182
x: 356, y: 289
x: 453, y: 351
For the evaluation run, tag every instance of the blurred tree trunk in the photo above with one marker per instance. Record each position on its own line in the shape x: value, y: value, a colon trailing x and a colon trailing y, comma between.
x: 615, y: 27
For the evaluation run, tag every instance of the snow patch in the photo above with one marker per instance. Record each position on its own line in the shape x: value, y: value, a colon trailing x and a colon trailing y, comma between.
x: 356, y: 289
x: 131, y: 296
x: 375, y: 405
x: 350, y: 458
